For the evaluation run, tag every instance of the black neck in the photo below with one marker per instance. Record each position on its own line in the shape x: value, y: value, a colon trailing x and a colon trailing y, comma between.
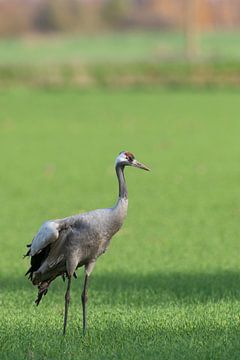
x: 121, y: 181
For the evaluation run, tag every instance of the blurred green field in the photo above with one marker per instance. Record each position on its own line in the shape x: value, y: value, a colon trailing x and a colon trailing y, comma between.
x: 168, y: 287
x: 115, y: 48
x: 125, y: 60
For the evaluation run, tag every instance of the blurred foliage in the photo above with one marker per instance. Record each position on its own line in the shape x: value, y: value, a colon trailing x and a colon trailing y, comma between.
x: 173, y: 75
x: 26, y: 16
x: 115, y: 11
x: 58, y: 15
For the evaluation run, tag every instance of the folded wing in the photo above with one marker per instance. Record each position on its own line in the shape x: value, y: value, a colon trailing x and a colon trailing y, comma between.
x: 47, y: 234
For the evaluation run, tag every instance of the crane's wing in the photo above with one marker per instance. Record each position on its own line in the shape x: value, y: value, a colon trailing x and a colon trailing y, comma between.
x: 47, y: 234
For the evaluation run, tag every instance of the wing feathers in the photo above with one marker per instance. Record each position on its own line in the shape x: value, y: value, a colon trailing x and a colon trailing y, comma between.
x: 47, y: 234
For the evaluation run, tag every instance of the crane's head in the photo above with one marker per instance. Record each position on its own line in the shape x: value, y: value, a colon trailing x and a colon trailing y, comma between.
x: 125, y: 158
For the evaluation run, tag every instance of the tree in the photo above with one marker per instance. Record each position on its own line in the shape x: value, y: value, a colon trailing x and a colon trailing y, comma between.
x: 191, y: 29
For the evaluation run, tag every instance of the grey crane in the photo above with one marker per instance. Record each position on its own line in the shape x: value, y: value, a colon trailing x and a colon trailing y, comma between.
x: 63, y: 245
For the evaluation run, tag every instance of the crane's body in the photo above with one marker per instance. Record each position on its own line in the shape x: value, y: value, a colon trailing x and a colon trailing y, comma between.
x: 63, y: 245
x: 75, y: 241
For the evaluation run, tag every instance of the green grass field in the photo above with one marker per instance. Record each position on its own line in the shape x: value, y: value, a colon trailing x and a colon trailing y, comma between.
x: 115, y: 48
x: 169, y: 285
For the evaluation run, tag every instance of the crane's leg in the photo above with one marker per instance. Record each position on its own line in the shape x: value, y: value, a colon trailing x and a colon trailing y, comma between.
x: 88, y: 270
x: 67, y: 301
x: 84, y: 303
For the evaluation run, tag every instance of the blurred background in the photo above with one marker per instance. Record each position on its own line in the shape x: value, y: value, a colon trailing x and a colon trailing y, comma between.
x: 80, y: 81
x: 119, y: 42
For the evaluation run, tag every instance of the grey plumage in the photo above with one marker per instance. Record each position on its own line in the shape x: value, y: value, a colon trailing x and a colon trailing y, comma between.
x: 63, y: 245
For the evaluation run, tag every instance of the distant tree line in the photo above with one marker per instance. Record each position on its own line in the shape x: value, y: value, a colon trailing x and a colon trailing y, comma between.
x: 24, y: 16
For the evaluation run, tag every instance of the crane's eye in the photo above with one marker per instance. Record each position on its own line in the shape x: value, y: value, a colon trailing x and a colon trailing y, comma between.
x: 130, y: 159
x: 129, y: 156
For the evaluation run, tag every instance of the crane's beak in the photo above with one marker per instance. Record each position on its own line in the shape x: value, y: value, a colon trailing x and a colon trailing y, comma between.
x: 137, y: 164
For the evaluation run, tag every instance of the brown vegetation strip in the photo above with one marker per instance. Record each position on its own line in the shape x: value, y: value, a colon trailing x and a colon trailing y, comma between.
x: 122, y: 75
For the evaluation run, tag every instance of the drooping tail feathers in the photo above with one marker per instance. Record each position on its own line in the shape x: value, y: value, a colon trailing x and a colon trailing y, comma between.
x: 42, y: 290
x: 36, y: 260
x: 43, y: 287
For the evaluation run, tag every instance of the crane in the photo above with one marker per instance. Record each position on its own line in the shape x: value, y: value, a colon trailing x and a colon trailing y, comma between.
x: 63, y: 245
